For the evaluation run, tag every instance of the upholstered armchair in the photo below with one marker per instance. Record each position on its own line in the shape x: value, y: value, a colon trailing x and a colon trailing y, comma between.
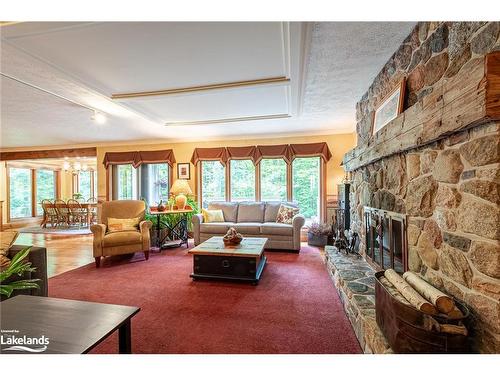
x: 108, y: 243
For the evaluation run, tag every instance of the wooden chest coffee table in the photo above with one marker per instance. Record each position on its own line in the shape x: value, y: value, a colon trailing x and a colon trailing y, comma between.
x: 243, y: 262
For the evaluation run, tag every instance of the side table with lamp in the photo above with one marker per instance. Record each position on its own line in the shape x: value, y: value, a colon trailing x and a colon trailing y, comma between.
x: 177, y: 232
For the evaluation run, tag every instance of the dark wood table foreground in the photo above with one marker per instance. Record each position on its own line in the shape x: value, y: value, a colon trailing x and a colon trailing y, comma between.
x: 72, y: 327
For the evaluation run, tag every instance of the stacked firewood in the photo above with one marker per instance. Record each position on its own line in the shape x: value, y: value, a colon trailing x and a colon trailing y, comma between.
x: 414, y: 291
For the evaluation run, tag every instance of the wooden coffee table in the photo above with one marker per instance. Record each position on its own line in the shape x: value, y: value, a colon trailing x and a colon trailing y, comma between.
x: 71, y: 327
x: 243, y: 262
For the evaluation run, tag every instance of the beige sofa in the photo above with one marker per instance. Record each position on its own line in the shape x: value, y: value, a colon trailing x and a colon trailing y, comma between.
x: 125, y: 242
x: 252, y: 219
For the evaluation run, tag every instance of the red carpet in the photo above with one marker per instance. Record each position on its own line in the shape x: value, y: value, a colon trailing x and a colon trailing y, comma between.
x: 294, y: 309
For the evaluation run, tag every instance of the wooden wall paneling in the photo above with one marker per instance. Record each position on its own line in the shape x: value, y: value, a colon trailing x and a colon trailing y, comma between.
x: 49, y: 154
x: 258, y: 195
x: 322, y: 199
x: 289, y: 182
x: 33, y: 193
x: 228, y: 181
x: 7, y: 191
x: 108, y: 182
x: 57, y: 178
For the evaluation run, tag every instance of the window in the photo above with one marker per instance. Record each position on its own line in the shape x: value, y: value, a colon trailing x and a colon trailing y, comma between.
x: 20, y: 192
x: 306, y: 186
x: 242, y: 180
x: 86, y: 184
x: 45, y: 188
x: 299, y: 181
x: 213, y: 182
x: 155, y: 182
x: 27, y: 188
x: 273, y: 180
x: 150, y: 182
x: 125, y: 182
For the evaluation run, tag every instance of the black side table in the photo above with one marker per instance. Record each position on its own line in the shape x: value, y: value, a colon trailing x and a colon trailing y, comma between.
x: 177, y: 233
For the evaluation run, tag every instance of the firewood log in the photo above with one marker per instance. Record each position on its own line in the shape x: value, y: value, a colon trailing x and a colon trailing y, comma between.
x: 431, y: 324
x: 393, y: 291
x: 453, y: 329
x: 443, y: 302
x: 419, y: 302
x: 455, y: 313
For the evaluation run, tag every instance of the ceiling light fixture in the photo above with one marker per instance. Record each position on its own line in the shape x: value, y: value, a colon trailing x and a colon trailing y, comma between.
x: 99, y: 117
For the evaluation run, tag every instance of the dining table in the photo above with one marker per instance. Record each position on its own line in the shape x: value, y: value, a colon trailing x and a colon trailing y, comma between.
x: 87, y: 206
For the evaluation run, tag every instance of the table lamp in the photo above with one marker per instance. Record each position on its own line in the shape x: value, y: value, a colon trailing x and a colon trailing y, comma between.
x: 179, y: 189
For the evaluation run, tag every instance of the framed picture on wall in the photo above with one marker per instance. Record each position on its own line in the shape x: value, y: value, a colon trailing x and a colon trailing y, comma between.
x: 389, y: 108
x: 183, y: 171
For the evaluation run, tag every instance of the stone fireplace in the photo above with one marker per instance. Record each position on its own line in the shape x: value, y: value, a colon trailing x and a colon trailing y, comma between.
x: 385, y: 238
x: 432, y: 176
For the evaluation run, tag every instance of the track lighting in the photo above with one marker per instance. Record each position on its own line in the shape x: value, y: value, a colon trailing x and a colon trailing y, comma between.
x: 99, y: 117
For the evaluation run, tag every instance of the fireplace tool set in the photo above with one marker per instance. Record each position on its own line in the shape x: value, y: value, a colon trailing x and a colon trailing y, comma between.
x: 343, y: 239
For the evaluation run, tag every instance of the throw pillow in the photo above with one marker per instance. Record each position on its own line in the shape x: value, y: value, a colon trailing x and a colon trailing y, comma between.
x: 286, y: 214
x: 120, y: 225
x: 7, y: 239
x: 212, y: 216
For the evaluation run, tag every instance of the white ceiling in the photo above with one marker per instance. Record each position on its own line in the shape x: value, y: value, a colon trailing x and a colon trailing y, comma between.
x: 329, y: 66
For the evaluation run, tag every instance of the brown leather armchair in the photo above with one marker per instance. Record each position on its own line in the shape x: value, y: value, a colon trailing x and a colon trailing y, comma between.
x: 124, y: 242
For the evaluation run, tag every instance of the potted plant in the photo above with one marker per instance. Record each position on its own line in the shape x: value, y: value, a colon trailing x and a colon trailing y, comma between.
x: 17, y: 267
x: 317, y: 234
x: 77, y: 196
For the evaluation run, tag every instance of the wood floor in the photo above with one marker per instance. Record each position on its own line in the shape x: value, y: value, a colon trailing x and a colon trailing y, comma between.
x: 64, y: 253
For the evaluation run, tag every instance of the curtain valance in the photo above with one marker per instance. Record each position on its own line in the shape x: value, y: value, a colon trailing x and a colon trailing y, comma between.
x: 155, y: 157
x: 256, y: 153
x: 311, y: 149
x: 215, y: 153
x: 136, y: 158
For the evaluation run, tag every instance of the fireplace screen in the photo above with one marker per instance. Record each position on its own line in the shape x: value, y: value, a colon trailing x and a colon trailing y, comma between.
x: 386, y: 244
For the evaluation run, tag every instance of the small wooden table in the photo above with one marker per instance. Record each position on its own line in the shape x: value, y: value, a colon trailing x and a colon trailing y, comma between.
x: 243, y: 262
x: 71, y: 327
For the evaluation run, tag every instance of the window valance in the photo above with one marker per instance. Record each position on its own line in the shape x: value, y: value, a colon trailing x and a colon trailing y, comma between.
x: 256, y: 153
x: 244, y: 152
x: 136, y: 158
x: 311, y: 149
x: 274, y: 151
x: 215, y: 153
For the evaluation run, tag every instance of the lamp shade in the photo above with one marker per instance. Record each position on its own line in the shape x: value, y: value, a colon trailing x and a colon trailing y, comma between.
x: 181, y: 187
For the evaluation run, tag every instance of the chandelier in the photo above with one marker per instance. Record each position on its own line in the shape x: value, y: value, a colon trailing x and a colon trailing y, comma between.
x: 75, y: 167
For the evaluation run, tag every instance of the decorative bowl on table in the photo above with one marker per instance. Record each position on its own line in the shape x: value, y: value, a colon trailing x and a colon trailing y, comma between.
x: 232, y: 237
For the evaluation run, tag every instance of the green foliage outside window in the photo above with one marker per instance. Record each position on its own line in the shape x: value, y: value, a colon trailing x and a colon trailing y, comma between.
x: 125, y: 181
x: 273, y: 180
x: 85, y: 185
x: 45, y: 188
x: 20, y: 192
x: 213, y: 182
x: 305, y: 185
x: 242, y: 180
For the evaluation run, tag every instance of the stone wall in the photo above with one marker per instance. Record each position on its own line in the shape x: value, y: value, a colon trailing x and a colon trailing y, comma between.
x: 450, y: 189
x: 432, y: 51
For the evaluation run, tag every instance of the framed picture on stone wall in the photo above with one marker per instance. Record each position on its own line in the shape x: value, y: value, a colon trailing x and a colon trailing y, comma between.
x: 389, y: 108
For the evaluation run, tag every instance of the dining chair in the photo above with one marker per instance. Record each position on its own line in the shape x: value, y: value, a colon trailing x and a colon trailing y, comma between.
x: 50, y: 213
x: 77, y: 213
x: 62, y: 212
x: 92, y: 209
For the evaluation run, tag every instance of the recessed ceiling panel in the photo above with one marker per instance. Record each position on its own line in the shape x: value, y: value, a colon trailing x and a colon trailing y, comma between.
x: 120, y: 57
x: 214, y: 105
